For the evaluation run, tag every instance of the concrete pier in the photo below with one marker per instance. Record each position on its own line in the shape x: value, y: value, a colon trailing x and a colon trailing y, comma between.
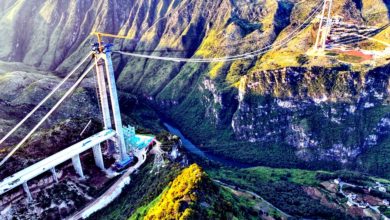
x: 27, y: 191
x: 54, y: 173
x: 77, y: 166
x: 97, y: 154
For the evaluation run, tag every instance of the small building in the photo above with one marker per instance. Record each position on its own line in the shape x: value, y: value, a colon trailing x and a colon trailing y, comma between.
x: 137, y: 141
x: 386, y: 202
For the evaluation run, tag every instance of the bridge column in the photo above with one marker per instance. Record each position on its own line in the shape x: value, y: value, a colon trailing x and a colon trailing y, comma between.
x: 102, y: 86
x: 115, y: 105
x: 27, y: 191
x: 77, y: 166
x: 54, y: 173
x: 97, y: 154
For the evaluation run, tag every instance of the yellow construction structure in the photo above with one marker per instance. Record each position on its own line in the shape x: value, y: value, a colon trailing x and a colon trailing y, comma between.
x: 100, y: 35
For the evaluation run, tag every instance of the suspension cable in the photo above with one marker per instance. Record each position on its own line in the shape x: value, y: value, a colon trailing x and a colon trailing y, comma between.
x: 373, y: 39
x: 55, y: 107
x: 248, y: 55
x: 44, y: 100
x: 357, y: 38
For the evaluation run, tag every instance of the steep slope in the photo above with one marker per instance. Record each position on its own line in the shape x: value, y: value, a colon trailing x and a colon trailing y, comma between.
x: 192, y: 195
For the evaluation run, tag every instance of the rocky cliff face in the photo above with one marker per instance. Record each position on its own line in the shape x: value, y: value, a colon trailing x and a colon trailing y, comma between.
x: 260, y: 106
x: 323, y: 113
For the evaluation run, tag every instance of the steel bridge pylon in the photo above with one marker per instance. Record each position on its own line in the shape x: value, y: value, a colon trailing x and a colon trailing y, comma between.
x: 324, y: 27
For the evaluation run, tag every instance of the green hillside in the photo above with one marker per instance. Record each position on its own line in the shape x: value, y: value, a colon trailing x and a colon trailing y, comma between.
x: 192, y: 195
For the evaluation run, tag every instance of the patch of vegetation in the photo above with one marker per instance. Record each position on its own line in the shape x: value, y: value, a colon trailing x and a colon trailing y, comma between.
x: 344, y: 175
x: 175, y: 203
x: 372, y: 45
x: 387, y: 213
x: 245, y: 25
x: 281, y: 189
x: 192, y: 195
x: 180, y: 86
x: 210, y: 46
x: 143, y: 210
x: 349, y: 58
x: 376, y: 159
x: 138, y: 114
x: 301, y: 177
x: 238, y: 69
x: 380, y: 194
x: 267, y: 174
x: 331, y: 54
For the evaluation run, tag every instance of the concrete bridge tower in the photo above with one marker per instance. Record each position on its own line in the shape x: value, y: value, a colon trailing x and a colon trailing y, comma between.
x: 325, y: 25
x: 107, y: 84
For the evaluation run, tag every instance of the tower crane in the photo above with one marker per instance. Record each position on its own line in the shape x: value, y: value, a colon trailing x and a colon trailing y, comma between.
x: 100, y: 35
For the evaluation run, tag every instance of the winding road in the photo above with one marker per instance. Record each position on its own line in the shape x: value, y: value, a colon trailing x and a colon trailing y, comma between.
x: 112, y: 192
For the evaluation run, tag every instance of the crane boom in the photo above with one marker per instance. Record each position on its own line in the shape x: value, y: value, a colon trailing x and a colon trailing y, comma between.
x: 100, y: 36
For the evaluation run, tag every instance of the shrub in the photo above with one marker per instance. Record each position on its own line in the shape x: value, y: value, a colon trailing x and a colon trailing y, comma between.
x: 302, y: 59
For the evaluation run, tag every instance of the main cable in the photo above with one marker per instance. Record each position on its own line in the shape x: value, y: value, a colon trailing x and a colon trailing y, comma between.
x: 248, y: 55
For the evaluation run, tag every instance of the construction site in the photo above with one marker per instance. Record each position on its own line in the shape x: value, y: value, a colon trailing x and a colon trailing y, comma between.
x: 337, y: 36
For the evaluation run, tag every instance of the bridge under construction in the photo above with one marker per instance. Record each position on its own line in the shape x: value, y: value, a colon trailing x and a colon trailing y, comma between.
x: 113, y: 132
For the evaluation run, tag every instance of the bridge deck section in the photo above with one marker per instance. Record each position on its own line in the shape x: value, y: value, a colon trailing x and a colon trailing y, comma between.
x: 46, y: 164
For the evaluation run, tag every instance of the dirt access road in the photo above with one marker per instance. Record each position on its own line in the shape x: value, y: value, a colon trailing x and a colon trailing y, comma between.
x: 112, y: 192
